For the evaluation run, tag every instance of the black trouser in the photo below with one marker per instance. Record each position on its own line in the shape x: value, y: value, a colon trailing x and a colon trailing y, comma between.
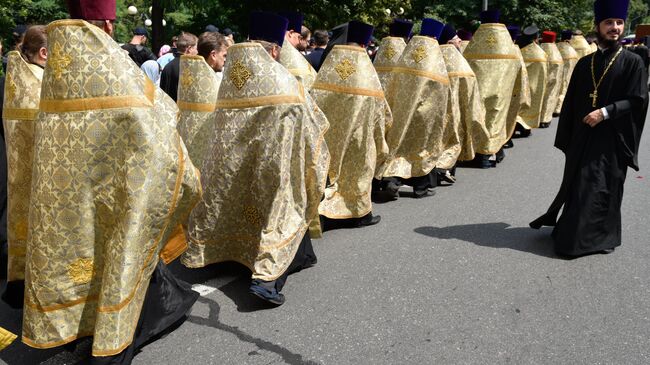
x: 304, y: 258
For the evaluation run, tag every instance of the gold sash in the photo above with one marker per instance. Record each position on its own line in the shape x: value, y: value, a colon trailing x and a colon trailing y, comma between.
x: 417, y: 95
x: 553, y: 80
x: 390, y: 51
x: 264, y: 171
x: 297, y: 64
x: 495, y: 63
x: 111, y: 182
x: 466, y: 103
x: 520, y: 95
x: 348, y: 91
x: 198, y: 86
x: 22, y: 96
x: 537, y: 67
x: 570, y: 59
x: 581, y: 46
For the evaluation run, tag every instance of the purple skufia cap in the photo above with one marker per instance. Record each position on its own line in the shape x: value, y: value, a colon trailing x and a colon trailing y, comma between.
x: 610, y: 9
x: 514, y: 31
x: 567, y: 35
x: 448, y: 33
x: 431, y: 28
x: 267, y: 27
x: 465, y: 35
x: 490, y: 16
x: 295, y: 20
x: 400, y: 28
x: 359, y: 32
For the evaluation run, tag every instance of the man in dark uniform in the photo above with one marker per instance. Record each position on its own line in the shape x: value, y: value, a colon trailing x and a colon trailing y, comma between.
x: 599, y: 132
x: 137, y: 51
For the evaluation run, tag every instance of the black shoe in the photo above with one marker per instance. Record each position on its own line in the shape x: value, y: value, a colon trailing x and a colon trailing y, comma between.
x: 368, y: 220
x: 445, y: 176
x: 607, y: 251
x: 555, y: 115
x: 509, y: 144
x: 525, y: 133
x: 500, y: 155
x: 392, y: 190
x: 545, y: 125
x: 418, y: 194
x: 270, y: 296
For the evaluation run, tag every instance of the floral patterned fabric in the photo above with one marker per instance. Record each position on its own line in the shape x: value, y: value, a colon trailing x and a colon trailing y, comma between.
x: 537, y: 68
x: 297, y: 64
x: 348, y: 91
x: 553, y: 80
x: 387, y: 57
x: 264, y: 171
x: 22, y: 96
x: 569, y: 59
x: 111, y: 182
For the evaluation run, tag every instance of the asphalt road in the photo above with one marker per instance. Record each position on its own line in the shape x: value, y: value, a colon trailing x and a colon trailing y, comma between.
x: 454, y: 278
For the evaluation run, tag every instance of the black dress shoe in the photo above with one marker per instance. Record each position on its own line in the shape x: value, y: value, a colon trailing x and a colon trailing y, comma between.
x: 545, y: 125
x: 525, y: 133
x: 500, y: 155
x: 368, y: 220
x: 262, y: 291
x: 555, y: 115
x: 607, y: 251
x: 509, y: 144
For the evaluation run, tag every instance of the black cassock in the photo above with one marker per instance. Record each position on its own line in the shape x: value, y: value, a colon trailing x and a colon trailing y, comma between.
x: 597, y: 158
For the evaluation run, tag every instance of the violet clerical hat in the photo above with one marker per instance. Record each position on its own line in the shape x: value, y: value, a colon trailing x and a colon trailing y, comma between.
x: 268, y: 27
x: 514, y: 31
x: 400, y: 28
x: 567, y: 35
x: 490, y: 16
x: 448, y: 33
x: 92, y: 9
x: 610, y: 9
x: 431, y: 28
x: 359, y: 32
x: 465, y: 34
x: 295, y: 20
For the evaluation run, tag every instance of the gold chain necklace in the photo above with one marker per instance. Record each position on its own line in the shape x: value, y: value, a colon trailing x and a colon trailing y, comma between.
x: 594, y: 95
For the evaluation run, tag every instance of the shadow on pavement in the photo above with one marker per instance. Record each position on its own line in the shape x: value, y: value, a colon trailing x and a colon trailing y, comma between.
x: 497, y: 235
x: 231, y: 278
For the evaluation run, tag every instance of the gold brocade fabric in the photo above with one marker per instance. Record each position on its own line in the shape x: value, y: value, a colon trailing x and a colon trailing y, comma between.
x: 465, y: 100
x: 390, y: 51
x: 348, y: 91
x: 520, y: 95
x: 111, y: 183
x: 570, y: 59
x: 463, y: 45
x: 264, y: 172
x: 6, y: 338
x: 495, y: 63
x: 537, y: 67
x: 418, y: 96
x: 593, y: 47
x: 22, y: 96
x: 581, y: 46
x: 297, y: 64
x: 198, y: 86
x: 553, y: 80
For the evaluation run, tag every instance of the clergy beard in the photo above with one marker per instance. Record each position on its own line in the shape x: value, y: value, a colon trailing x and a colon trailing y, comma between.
x: 607, y: 43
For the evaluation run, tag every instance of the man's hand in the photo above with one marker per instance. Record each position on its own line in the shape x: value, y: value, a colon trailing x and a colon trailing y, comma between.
x: 593, y: 118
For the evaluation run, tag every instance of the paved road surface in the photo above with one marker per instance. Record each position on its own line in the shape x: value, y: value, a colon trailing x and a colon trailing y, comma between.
x: 454, y: 278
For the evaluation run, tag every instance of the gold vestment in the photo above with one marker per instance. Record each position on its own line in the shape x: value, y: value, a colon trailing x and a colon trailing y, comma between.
x: 593, y: 47
x: 570, y: 59
x: 22, y: 96
x: 553, y: 80
x: 537, y: 68
x: 520, y: 95
x: 495, y: 63
x: 581, y: 46
x: 463, y: 46
x: 418, y: 95
x: 297, y: 64
x: 390, y: 51
x: 466, y: 101
x: 111, y: 183
x: 348, y: 91
x: 264, y: 171
x: 198, y: 86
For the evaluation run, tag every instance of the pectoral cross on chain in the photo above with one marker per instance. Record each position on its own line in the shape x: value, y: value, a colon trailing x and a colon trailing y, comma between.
x: 594, y: 97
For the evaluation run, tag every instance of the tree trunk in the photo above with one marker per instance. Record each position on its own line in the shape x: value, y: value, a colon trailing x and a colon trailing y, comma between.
x: 157, y: 30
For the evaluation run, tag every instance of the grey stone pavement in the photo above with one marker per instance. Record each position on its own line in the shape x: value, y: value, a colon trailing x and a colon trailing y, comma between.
x: 457, y: 278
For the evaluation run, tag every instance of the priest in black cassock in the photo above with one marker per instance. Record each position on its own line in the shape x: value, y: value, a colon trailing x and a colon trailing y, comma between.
x: 599, y: 132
